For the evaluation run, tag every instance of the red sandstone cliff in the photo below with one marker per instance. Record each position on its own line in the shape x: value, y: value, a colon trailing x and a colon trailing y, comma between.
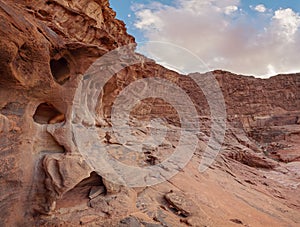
x: 47, y: 46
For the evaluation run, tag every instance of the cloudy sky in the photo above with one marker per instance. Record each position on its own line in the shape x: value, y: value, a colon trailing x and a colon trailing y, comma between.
x: 260, y: 38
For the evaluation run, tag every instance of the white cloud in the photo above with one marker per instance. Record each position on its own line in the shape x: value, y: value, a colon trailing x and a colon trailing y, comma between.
x: 148, y: 20
x: 223, y: 40
x: 271, y: 70
x: 230, y: 9
x: 260, y: 8
x: 288, y: 22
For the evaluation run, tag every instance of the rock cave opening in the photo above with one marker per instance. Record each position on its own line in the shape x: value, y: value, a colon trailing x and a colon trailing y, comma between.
x: 87, y: 189
x: 60, y: 70
x: 47, y: 114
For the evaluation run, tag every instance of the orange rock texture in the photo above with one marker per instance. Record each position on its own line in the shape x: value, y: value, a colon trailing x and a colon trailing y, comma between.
x: 46, y: 48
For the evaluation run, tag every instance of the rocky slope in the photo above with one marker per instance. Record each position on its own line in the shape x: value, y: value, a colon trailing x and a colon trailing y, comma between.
x: 46, y: 48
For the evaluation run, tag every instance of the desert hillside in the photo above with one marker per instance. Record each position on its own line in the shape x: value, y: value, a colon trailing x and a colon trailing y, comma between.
x: 87, y: 127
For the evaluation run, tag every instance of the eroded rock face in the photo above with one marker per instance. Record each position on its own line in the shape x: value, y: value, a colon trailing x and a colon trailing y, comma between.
x: 46, y: 48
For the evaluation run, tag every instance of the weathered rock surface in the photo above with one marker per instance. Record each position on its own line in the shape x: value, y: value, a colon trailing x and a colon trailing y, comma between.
x: 46, y: 48
x: 181, y: 203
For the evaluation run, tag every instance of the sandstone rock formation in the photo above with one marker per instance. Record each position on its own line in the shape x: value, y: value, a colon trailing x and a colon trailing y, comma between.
x: 46, y: 48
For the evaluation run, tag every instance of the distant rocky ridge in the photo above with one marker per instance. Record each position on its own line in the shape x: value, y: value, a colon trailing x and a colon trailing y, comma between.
x: 46, y: 47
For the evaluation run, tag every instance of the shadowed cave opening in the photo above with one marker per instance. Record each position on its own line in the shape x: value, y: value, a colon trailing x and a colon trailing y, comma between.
x: 46, y: 113
x: 60, y: 70
x: 88, y: 188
